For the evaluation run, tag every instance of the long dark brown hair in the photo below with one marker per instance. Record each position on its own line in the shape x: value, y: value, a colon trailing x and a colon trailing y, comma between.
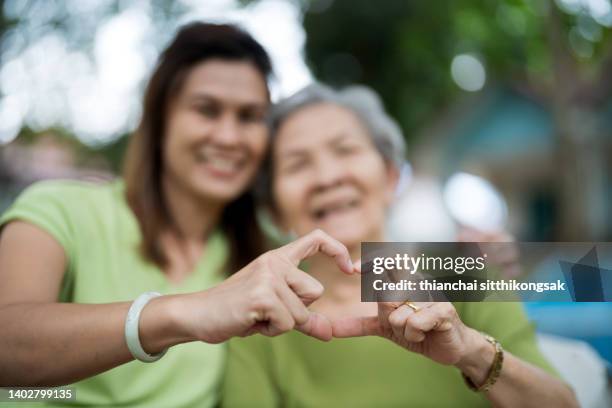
x: 144, y: 166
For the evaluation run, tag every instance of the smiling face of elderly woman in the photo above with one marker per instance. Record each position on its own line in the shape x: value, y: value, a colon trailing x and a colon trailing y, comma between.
x: 328, y: 174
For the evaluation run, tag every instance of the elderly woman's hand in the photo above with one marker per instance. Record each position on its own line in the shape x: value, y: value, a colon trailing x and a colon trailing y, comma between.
x: 500, y: 246
x: 434, y: 330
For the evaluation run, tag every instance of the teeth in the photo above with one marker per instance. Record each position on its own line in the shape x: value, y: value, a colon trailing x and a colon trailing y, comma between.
x: 323, y: 212
x: 222, y: 164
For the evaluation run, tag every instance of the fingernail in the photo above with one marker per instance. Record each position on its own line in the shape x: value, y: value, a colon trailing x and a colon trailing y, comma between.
x: 321, y: 287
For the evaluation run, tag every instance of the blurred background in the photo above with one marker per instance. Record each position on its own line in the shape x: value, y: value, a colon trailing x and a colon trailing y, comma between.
x: 506, y: 106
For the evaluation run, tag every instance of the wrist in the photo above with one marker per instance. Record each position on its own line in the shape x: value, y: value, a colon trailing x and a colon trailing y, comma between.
x: 478, y: 358
x: 161, y: 324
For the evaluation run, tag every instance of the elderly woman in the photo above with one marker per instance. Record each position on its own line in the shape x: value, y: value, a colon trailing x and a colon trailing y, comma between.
x: 333, y: 165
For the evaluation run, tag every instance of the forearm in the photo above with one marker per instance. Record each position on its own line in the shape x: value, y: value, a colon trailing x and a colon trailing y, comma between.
x: 47, y: 344
x: 522, y: 384
x: 519, y: 383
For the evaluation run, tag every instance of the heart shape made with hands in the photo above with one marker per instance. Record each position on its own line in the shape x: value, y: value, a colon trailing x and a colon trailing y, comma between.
x: 319, y: 325
x: 435, y: 330
x: 299, y: 290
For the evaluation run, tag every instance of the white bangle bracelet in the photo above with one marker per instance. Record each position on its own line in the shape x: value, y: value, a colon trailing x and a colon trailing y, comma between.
x: 131, y: 329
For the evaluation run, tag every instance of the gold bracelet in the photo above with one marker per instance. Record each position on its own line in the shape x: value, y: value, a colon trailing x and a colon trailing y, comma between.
x: 494, y: 371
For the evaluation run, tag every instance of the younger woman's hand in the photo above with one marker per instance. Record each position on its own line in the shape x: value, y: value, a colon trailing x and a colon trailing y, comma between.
x: 269, y: 296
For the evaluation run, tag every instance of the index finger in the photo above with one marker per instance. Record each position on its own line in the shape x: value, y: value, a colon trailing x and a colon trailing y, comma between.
x: 315, y: 242
x: 384, y: 310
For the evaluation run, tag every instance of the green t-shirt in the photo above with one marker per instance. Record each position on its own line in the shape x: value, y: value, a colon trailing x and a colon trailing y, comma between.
x: 100, y: 236
x: 294, y: 370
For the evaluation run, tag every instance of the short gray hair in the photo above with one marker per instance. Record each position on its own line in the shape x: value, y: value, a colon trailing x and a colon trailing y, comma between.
x: 361, y: 100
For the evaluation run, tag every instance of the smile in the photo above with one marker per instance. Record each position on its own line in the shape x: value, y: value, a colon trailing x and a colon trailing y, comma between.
x: 334, y: 208
x: 223, y: 165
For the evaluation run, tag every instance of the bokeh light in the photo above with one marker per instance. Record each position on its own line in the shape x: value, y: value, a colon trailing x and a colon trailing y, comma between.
x: 468, y: 72
x: 474, y: 202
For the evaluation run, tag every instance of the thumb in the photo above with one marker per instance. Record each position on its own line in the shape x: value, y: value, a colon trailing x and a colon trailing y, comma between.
x: 356, y: 326
x: 317, y: 326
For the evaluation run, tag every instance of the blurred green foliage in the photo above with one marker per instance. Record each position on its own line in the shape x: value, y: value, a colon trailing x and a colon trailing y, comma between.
x: 404, y: 49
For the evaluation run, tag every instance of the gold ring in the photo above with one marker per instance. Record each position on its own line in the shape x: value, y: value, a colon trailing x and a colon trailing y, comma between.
x: 412, y: 306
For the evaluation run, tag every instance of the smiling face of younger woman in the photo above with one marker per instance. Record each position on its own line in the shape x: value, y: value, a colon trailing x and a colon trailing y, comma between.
x: 328, y: 174
x: 216, y: 132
